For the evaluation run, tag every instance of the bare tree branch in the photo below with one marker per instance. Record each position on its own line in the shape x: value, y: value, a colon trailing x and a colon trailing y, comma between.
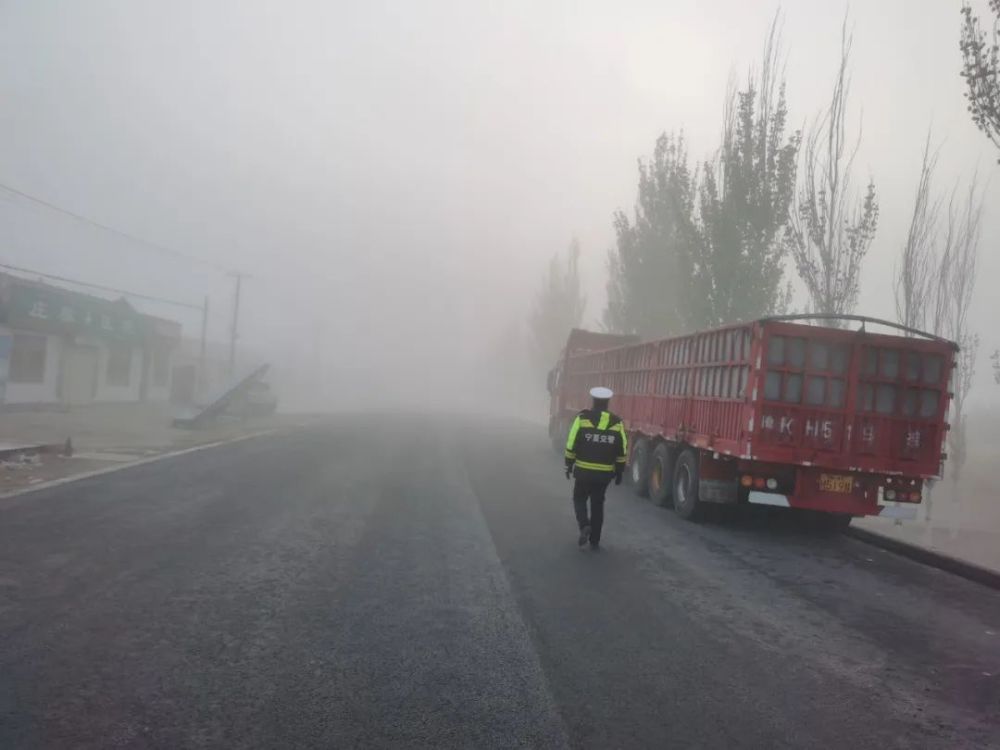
x: 827, y: 237
x: 956, y: 284
x: 745, y: 195
x: 652, y: 284
x: 559, y: 306
x: 913, y: 285
x: 981, y: 70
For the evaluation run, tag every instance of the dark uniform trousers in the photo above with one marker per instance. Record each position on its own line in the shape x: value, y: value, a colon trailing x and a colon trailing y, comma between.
x: 590, y: 488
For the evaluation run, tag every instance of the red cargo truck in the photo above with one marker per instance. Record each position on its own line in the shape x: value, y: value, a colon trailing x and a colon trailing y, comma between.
x: 779, y: 411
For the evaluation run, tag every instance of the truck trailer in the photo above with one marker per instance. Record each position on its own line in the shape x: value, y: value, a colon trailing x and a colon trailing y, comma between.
x: 786, y: 411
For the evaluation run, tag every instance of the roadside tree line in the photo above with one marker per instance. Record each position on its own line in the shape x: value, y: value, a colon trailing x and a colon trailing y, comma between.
x: 725, y: 239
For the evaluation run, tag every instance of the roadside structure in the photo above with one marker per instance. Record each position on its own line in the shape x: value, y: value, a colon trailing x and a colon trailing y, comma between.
x: 63, y: 347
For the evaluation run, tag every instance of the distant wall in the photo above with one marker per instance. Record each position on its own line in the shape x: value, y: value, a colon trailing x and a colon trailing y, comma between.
x: 158, y: 393
x: 130, y: 392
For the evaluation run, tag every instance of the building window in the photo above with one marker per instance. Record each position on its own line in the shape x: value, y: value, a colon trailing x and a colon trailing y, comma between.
x: 27, y: 359
x: 119, y: 364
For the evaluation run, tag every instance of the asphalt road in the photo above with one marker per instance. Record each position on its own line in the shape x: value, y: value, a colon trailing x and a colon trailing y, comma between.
x: 414, y: 582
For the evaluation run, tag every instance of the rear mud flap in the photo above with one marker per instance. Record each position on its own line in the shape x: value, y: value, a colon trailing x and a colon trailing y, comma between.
x: 768, y: 498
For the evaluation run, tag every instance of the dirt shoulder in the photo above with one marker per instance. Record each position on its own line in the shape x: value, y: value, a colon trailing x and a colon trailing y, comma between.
x: 33, y: 443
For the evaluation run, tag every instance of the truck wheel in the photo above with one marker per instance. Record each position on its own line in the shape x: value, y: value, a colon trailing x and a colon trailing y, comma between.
x: 638, y: 471
x: 660, y: 474
x: 686, y: 501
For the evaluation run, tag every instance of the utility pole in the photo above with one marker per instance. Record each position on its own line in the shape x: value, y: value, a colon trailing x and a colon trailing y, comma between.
x: 236, y: 320
x: 204, y: 345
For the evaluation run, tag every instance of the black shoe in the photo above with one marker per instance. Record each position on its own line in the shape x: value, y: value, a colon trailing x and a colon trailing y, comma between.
x: 596, y: 546
x: 584, y: 535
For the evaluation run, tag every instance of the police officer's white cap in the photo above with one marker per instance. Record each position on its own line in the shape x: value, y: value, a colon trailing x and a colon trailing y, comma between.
x: 600, y: 392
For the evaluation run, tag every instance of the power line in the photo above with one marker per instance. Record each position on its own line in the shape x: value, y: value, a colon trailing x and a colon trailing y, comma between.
x: 101, y: 287
x: 292, y: 282
x: 104, y: 227
x: 296, y: 281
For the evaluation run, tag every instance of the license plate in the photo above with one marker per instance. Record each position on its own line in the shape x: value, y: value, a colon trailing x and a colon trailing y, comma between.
x: 836, y: 483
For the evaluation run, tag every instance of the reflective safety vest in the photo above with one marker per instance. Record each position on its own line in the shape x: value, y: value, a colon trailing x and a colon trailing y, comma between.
x: 596, y: 443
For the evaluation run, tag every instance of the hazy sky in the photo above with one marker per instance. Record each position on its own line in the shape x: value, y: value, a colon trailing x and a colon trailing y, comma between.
x: 395, y: 175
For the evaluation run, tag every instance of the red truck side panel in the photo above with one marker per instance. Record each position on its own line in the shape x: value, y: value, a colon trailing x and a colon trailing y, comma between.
x: 785, y: 393
x: 851, y: 400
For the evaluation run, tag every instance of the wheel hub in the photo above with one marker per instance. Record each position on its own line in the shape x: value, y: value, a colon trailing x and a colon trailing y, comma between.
x: 682, y: 485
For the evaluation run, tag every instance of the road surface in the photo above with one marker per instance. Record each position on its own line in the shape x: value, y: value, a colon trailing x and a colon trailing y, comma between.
x: 414, y: 581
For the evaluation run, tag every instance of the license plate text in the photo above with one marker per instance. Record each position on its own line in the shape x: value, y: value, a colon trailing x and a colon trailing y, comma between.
x: 836, y: 483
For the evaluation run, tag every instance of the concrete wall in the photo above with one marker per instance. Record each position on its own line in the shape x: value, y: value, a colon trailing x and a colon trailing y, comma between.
x: 160, y: 393
x: 157, y: 394
x: 47, y: 390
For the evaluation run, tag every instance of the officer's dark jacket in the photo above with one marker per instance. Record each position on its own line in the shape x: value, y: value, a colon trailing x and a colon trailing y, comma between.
x: 596, y: 443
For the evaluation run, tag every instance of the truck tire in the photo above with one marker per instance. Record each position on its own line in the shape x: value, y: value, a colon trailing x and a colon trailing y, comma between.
x: 660, y: 475
x: 638, y: 471
x: 686, y: 501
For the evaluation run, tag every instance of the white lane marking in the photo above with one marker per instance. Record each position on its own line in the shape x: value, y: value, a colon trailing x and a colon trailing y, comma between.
x: 109, y: 457
x: 768, y: 498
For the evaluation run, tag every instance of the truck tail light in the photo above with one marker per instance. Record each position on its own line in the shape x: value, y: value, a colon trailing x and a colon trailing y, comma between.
x: 759, y: 483
x: 915, y: 497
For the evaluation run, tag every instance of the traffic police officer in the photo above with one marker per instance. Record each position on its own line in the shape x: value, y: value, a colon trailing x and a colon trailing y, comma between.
x: 596, y: 448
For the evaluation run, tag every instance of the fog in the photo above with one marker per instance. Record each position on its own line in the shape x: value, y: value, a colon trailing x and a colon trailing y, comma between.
x: 396, y: 537
x: 394, y: 176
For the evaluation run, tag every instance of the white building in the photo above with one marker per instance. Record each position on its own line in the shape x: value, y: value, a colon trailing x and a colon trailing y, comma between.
x: 59, y: 346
